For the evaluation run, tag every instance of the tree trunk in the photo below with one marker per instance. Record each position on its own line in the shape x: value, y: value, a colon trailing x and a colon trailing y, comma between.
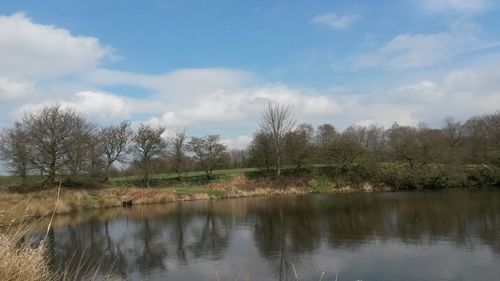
x: 23, y: 175
x: 178, y: 170
x: 106, y: 176
x: 278, y: 168
x: 52, y: 173
x: 146, y: 176
x: 52, y: 168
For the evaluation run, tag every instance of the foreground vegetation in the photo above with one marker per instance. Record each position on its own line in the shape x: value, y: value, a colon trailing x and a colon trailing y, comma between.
x: 21, y: 261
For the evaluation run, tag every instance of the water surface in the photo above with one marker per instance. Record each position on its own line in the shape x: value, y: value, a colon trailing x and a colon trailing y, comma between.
x: 364, y: 236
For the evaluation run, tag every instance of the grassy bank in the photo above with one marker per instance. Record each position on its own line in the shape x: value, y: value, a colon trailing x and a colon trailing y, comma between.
x: 166, y: 188
x: 15, y: 207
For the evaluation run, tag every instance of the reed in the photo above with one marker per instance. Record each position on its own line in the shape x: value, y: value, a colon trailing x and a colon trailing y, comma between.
x: 19, y: 260
x: 23, y: 259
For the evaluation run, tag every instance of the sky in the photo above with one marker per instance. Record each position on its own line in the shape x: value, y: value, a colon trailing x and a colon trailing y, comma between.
x: 210, y: 67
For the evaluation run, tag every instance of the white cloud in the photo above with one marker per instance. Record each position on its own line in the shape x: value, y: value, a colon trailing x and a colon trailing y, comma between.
x: 101, y: 105
x: 12, y: 89
x: 246, y: 104
x: 234, y: 112
x: 39, y: 51
x: 335, y: 21
x: 168, y: 96
x: 91, y: 104
x: 240, y: 142
x: 178, y: 83
x: 319, y: 106
x: 417, y: 50
x: 462, y: 6
x: 407, y: 51
x: 460, y: 93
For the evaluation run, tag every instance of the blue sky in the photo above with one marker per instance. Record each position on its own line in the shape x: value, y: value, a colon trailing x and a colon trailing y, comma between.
x: 210, y: 66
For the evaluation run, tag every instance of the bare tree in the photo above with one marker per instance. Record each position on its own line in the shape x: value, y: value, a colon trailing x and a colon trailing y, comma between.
x: 477, y: 135
x: 209, y: 151
x: 15, y: 150
x: 298, y: 145
x: 404, y: 144
x: 453, y: 133
x: 493, y: 125
x: 52, y: 133
x: 79, y: 149
x: 345, y: 150
x: 177, y: 151
x: 325, y: 136
x: 114, y: 141
x: 148, y: 145
x: 238, y: 158
x: 376, y: 141
x: 261, y: 150
x: 96, y: 165
x: 277, y: 121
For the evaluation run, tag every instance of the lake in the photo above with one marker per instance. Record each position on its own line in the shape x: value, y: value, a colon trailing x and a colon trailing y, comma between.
x: 445, y: 235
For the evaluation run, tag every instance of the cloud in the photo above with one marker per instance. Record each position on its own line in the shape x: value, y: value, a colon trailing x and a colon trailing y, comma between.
x: 461, y: 93
x: 214, y: 95
x: 102, y: 105
x: 167, y: 96
x: 234, y: 112
x: 91, y: 104
x: 240, y: 142
x: 246, y: 104
x: 462, y: 6
x: 419, y: 50
x: 335, y: 21
x: 178, y: 83
x: 31, y: 50
x: 12, y: 89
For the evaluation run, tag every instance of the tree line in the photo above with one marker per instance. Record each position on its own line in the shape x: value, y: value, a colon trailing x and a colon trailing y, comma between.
x: 55, y: 142
x: 59, y: 143
x: 412, y: 156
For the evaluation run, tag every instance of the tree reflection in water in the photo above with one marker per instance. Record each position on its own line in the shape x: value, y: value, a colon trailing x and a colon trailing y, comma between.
x: 195, y: 239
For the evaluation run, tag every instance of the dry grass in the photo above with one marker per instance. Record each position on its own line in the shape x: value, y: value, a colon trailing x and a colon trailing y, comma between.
x: 19, y: 260
x: 241, y: 186
x: 15, y: 207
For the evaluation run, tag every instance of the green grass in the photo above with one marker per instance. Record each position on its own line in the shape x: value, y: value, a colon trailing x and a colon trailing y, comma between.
x: 186, y: 175
x: 323, y: 177
x: 187, y: 183
x: 188, y: 179
x: 321, y: 183
x: 191, y: 190
x: 15, y: 180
